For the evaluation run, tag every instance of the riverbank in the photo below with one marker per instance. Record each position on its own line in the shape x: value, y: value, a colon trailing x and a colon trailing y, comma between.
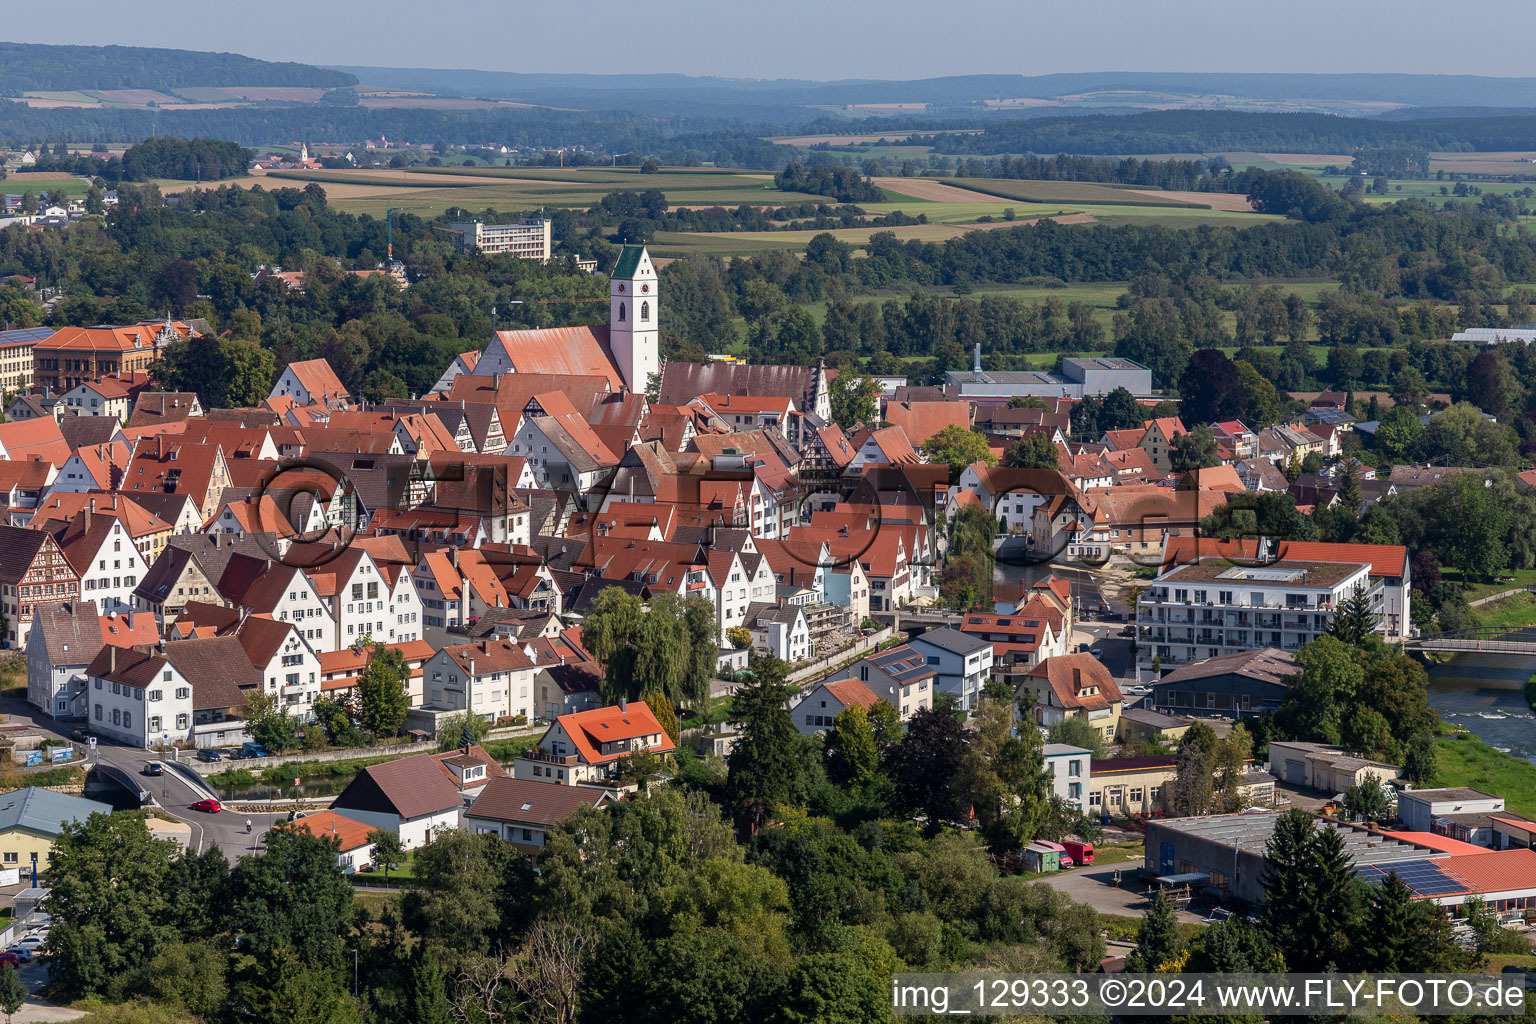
x: 1508, y: 612
x: 1465, y: 760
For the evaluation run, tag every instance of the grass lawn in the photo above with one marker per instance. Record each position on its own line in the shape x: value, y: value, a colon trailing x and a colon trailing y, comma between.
x: 1115, y: 853
x: 402, y: 870
x: 1513, y: 580
x: 1519, y: 610
x: 1466, y: 760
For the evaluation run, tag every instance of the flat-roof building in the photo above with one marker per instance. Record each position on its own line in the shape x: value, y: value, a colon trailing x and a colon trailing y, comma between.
x: 1211, y: 607
x: 1226, y: 851
x: 531, y: 239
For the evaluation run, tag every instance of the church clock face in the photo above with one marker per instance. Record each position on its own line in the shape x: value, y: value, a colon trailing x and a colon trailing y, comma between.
x: 645, y: 287
x: 621, y: 287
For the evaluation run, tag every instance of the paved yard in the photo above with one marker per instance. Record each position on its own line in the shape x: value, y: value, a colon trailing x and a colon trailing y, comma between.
x: 1095, y: 887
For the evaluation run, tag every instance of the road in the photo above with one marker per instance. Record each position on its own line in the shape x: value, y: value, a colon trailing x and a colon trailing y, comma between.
x: 175, y: 796
x: 225, y: 830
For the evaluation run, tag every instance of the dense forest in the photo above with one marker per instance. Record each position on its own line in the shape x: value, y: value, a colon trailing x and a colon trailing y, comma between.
x: 26, y: 67
x: 160, y: 157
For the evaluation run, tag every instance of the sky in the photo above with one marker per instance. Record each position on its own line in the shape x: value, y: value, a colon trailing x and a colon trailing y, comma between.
x: 826, y: 39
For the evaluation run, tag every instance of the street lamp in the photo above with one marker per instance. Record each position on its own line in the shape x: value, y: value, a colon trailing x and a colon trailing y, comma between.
x: 510, y: 302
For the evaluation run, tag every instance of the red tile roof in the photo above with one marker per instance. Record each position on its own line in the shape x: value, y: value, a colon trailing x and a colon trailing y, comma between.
x: 570, y: 351
x: 588, y: 730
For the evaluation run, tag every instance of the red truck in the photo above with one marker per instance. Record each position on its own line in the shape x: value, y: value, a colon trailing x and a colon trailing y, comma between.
x: 1081, y: 853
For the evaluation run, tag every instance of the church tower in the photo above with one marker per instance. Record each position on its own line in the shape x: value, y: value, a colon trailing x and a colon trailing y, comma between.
x: 634, y: 314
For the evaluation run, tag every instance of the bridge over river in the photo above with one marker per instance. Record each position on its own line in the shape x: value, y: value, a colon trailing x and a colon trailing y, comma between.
x: 1520, y: 642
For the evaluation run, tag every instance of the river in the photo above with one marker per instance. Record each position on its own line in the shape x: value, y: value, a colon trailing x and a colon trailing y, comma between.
x: 1469, y: 686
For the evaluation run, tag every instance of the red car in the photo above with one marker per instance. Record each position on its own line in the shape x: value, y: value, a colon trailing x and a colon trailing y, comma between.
x: 10, y: 960
x: 210, y: 806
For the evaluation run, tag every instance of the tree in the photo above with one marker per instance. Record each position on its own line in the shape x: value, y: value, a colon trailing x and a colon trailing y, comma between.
x: 1157, y: 937
x: 1035, y: 451
x: 851, y: 755
x: 1461, y: 436
x: 13, y: 992
x: 293, y: 897
x: 958, y: 448
x: 884, y: 724
x: 740, y: 637
x: 382, y: 702
x: 267, y: 722
x: 1211, y: 388
x: 461, y: 730
x: 1151, y: 336
x: 1193, y: 451
x: 1350, y: 496
x: 1420, y: 762
x: 1353, y: 620
x: 1367, y: 800
x: 1012, y: 791
x: 1410, y: 389
x: 107, y: 896
x: 1189, y: 792
x: 1229, y: 762
x: 1077, y: 731
x: 1312, y: 896
x: 853, y: 399
x: 932, y: 768
x: 388, y: 851
x: 287, y: 986
x: 763, y: 765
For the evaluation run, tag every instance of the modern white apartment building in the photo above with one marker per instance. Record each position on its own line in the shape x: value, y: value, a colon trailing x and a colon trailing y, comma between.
x: 1212, y: 607
x: 531, y: 239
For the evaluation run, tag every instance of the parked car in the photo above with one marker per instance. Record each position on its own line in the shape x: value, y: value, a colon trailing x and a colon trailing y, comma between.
x: 80, y: 735
x: 19, y: 952
x: 209, y: 755
x: 154, y: 768
x: 9, y: 959
x: 1128, y: 631
x: 33, y: 942
x: 209, y: 806
x: 1098, y: 652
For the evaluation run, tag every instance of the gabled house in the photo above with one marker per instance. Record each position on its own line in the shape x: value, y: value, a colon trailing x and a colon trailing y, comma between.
x: 817, y: 711
x: 284, y: 592
x: 1075, y: 686
x: 780, y: 630
x: 175, y: 578
x: 287, y: 665
x: 33, y: 570
x: 311, y: 382
x: 413, y: 796
x: 523, y: 812
x: 962, y: 661
x: 588, y: 747
x: 900, y: 676
x: 65, y: 639
x: 492, y: 679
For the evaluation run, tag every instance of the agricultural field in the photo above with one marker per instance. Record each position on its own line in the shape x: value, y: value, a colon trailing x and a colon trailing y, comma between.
x: 1063, y: 192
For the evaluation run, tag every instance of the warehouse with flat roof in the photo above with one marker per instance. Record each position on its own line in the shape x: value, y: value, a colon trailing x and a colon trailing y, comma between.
x: 1226, y: 851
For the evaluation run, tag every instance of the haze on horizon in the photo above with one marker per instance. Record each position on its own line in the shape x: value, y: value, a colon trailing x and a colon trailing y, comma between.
x: 812, y: 39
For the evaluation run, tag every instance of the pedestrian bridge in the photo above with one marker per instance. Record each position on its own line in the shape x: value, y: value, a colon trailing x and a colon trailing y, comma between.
x: 1484, y: 639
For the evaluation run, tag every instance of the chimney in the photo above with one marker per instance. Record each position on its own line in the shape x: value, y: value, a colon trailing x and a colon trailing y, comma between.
x: 112, y: 658
x: 623, y: 703
x: 471, y: 669
x: 976, y: 359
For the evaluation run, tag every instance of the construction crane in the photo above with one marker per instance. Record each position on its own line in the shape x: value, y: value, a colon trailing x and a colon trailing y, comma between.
x: 389, y: 230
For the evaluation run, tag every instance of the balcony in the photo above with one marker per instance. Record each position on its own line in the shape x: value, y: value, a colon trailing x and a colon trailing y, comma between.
x: 548, y: 758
